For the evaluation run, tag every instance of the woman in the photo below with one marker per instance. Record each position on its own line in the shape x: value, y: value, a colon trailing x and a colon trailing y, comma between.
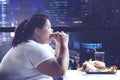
x: 31, y: 57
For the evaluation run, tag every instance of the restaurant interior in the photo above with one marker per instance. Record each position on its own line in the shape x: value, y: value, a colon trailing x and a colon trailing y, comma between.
x: 91, y: 25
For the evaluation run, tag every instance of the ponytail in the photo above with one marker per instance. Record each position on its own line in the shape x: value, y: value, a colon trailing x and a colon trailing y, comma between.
x: 20, y: 33
x: 25, y: 30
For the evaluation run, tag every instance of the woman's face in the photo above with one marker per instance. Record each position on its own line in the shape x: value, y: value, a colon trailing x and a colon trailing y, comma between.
x: 46, y: 31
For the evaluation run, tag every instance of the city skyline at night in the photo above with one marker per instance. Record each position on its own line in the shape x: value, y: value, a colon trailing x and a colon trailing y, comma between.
x: 81, y: 13
x: 90, y: 12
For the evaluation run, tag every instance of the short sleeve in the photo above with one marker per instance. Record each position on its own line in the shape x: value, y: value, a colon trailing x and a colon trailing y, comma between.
x: 40, y: 53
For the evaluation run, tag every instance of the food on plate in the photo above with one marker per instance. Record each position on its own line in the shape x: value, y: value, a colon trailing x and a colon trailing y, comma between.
x: 96, y: 66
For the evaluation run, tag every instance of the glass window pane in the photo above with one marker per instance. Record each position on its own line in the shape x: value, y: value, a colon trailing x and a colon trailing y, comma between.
x: 5, y: 43
x: 86, y: 14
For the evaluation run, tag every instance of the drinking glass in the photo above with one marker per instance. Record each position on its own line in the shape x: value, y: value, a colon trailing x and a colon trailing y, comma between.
x: 99, y: 56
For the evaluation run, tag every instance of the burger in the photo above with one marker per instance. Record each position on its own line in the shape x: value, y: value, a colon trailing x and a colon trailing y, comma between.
x: 98, y: 64
x: 53, y: 36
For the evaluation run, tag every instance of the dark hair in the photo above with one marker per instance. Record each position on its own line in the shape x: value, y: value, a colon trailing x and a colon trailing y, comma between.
x: 25, y: 29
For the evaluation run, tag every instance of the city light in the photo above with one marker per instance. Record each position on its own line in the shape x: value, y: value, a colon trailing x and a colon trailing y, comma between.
x: 77, y: 22
x: 3, y: 0
x: 12, y: 34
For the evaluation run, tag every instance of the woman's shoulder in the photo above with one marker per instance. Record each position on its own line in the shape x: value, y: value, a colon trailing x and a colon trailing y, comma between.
x: 33, y: 44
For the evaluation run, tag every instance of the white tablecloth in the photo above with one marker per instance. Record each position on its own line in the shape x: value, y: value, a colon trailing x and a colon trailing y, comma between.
x: 77, y: 75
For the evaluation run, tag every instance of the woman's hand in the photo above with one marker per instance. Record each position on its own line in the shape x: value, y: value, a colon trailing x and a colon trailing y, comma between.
x: 61, y: 38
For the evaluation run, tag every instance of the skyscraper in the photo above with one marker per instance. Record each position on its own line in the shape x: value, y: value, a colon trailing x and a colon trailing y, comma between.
x: 59, y: 11
x: 86, y: 8
x: 24, y: 11
x: 80, y: 9
x: 4, y: 13
x: 4, y: 18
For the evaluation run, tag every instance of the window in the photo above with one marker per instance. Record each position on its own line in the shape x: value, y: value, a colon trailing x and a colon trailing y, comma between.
x: 86, y: 31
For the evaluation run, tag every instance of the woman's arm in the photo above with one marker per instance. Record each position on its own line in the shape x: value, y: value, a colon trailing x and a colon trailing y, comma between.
x: 57, y: 66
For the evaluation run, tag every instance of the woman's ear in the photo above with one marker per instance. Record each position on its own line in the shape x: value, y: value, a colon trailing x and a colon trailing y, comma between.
x: 37, y: 31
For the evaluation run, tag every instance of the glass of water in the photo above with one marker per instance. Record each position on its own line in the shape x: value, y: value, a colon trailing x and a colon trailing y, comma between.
x: 99, y: 56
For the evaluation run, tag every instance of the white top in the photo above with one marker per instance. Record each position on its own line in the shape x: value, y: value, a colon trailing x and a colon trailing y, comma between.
x: 20, y: 62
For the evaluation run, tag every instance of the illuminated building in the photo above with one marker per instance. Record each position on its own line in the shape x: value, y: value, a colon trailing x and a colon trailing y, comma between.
x: 4, y: 13
x: 4, y: 18
x: 24, y: 10
x: 59, y: 11
x: 86, y: 8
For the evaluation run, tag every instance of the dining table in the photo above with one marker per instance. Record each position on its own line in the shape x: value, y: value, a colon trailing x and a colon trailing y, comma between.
x: 79, y: 75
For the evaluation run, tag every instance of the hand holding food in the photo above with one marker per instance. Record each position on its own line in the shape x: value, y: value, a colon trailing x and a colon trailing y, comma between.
x: 60, y: 37
x: 53, y: 36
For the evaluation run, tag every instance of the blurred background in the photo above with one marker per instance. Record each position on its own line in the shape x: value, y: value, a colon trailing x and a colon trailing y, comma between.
x: 91, y: 24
